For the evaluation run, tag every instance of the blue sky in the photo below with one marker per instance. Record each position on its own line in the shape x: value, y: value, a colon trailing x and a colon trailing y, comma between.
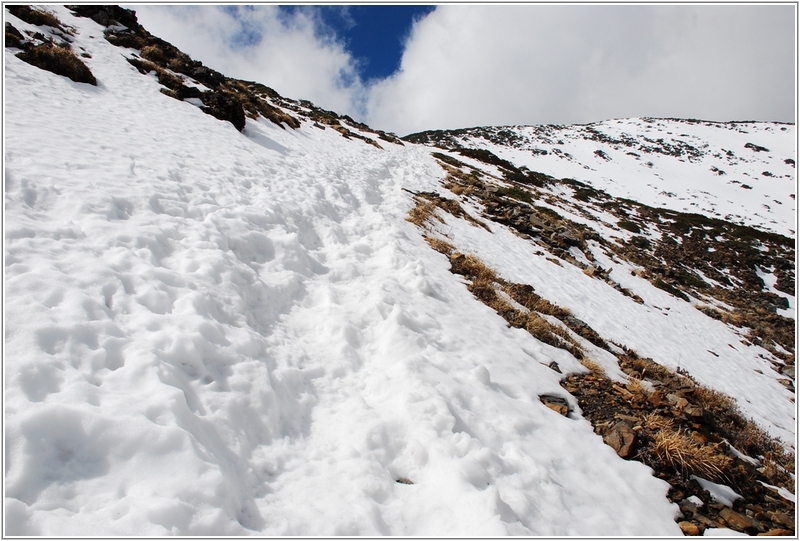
x: 412, y: 68
x: 374, y: 34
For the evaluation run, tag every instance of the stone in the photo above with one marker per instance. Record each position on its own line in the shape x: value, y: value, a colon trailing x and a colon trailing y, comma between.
x: 687, y: 506
x: 782, y: 519
x: 693, y: 411
x: 740, y: 522
x: 778, y: 531
x: 554, y: 366
x: 224, y: 106
x: 13, y: 37
x: 101, y: 18
x: 677, y: 401
x: 689, y: 528
x: 555, y: 403
x: 656, y: 398
x: 705, y: 521
x: 621, y: 437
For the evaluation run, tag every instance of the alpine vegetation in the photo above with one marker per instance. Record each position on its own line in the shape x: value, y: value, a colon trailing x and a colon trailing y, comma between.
x: 230, y: 312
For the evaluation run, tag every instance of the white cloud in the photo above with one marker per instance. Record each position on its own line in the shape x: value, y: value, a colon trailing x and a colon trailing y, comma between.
x: 290, y: 53
x: 471, y: 65
x: 479, y: 65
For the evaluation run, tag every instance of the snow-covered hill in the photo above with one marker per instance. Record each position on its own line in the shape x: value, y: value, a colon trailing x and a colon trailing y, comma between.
x: 742, y: 172
x: 215, y: 331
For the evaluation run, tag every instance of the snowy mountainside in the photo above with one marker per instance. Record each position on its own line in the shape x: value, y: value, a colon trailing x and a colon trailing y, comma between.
x: 743, y: 172
x: 219, y: 320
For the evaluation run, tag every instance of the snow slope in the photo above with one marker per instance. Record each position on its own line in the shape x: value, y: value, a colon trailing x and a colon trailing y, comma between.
x: 742, y: 172
x: 210, y: 332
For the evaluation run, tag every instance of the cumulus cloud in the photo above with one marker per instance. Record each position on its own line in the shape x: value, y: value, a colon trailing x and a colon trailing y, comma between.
x: 477, y: 65
x: 292, y: 52
x: 472, y: 65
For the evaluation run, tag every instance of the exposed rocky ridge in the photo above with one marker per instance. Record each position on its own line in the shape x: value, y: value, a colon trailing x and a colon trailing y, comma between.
x: 691, y: 256
x: 723, y: 170
x: 225, y: 98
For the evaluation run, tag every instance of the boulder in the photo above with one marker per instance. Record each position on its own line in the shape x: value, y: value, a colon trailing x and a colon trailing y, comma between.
x: 224, y: 106
x: 621, y: 437
x: 555, y: 403
x: 689, y: 528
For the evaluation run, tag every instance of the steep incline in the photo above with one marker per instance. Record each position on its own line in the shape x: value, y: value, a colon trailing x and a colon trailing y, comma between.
x: 213, y: 332
x: 743, y: 172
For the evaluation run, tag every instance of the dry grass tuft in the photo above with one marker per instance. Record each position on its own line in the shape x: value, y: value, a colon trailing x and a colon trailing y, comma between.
x: 593, y: 367
x: 35, y: 16
x: 422, y: 213
x: 524, y: 295
x: 441, y: 246
x: 685, y: 455
x: 636, y: 385
x: 645, y: 367
x: 714, y: 400
x: 556, y: 336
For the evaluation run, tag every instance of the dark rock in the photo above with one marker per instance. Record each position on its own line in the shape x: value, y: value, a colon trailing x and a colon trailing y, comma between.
x: 106, y: 15
x: 101, y: 18
x: 34, y: 16
x: 555, y: 403
x: 59, y: 61
x: 740, y: 522
x: 224, y: 106
x: 782, y: 519
x: 13, y: 37
x: 687, y: 506
x: 554, y: 366
x: 621, y: 437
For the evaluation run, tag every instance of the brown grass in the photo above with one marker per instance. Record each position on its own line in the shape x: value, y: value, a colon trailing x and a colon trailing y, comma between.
x: 440, y: 245
x: 593, y: 367
x: 635, y: 385
x: 422, y: 213
x: 688, y: 456
x: 525, y: 295
x: 554, y: 335
x: 35, y: 16
x: 59, y: 61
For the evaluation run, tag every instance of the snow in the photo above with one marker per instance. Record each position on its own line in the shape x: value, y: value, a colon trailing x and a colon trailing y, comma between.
x: 211, y: 333
x: 667, y: 329
x: 770, y: 280
x: 215, y: 333
x: 719, y: 493
x: 785, y: 494
x: 722, y: 532
x: 705, y: 179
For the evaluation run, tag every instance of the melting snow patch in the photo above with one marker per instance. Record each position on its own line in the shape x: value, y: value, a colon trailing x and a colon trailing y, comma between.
x: 782, y: 492
x: 721, y: 493
x: 723, y: 532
